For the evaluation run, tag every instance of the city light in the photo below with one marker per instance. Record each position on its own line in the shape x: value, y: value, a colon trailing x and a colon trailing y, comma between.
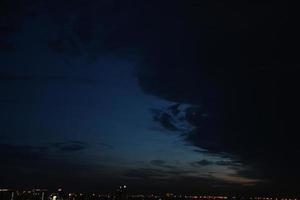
x: 120, y: 193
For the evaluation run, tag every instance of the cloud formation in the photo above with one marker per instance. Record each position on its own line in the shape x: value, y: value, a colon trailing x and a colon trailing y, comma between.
x: 235, y: 60
x: 70, y: 146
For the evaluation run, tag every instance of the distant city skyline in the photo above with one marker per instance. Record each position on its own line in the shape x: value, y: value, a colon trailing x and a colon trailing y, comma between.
x: 120, y: 193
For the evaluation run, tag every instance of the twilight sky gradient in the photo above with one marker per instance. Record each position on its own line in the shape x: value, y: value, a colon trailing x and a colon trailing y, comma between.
x: 163, y: 96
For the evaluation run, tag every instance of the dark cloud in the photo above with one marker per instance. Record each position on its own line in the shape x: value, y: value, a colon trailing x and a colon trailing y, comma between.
x: 106, y: 146
x: 157, y: 174
x: 70, y: 146
x: 203, y: 162
x: 162, y: 180
x: 237, y: 60
x: 158, y: 162
x: 248, y: 173
x: 21, y: 154
x: 146, y: 173
x: 40, y: 166
x: 163, y: 164
x: 32, y: 154
x: 45, y: 78
x: 20, y: 157
x: 228, y: 163
x: 232, y: 164
x: 177, y: 117
x: 164, y: 119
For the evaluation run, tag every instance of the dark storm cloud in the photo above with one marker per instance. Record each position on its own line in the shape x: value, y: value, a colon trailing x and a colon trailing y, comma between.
x: 237, y: 60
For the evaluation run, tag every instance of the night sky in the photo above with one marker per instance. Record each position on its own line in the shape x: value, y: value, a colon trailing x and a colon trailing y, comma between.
x: 186, y: 96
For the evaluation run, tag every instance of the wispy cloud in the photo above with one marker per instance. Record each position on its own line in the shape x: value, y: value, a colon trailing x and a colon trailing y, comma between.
x: 70, y: 146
